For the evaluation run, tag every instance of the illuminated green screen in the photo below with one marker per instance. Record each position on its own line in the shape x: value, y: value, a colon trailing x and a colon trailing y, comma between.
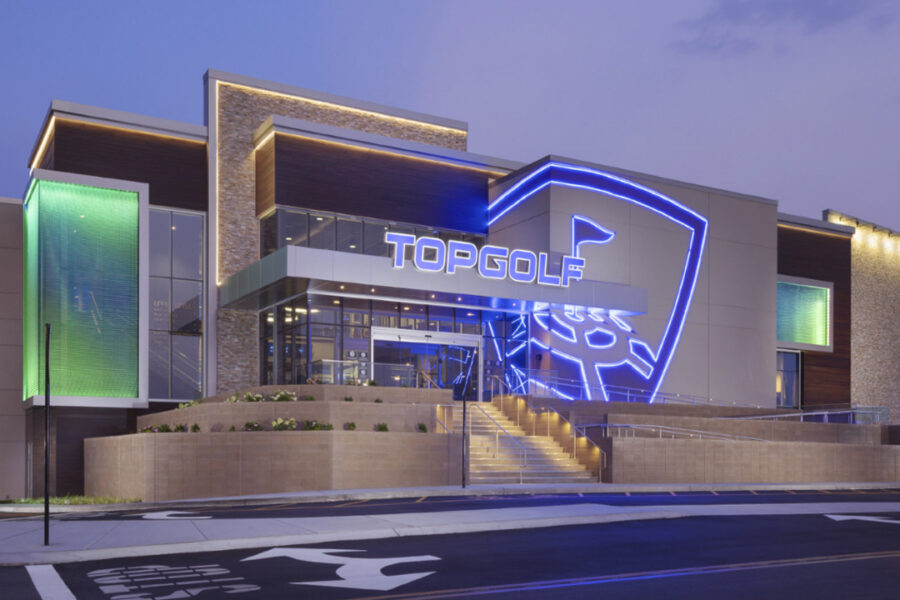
x: 81, y: 276
x: 803, y: 314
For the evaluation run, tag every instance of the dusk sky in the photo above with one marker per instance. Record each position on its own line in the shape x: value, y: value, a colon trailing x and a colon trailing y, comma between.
x: 795, y: 101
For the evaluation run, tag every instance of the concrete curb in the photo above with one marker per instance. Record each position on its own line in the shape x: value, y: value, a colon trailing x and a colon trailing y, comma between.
x: 31, y: 558
x: 476, y: 490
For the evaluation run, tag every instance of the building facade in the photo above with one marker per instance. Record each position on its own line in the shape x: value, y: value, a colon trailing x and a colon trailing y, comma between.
x: 302, y: 237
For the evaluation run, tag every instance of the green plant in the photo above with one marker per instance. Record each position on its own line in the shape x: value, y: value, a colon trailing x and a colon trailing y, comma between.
x: 195, y: 428
x: 348, y: 398
x: 371, y: 383
x: 232, y: 428
x: 232, y: 399
x: 381, y: 427
x: 316, y: 426
x: 281, y: 425
x: 250, y: 397
x: 284, y: 396
x: 251, y: 426
x: 180, y: 428
x: 191, y: 403
x: 377, y: 400
x: 164, y: 428
x: 422, y: 427
x: 309, y: 398
x: 350, y: 426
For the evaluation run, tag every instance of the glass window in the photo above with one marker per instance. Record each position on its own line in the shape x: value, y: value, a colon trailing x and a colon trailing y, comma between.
x: 356, y: 311
x: 349, y: 236
x: 187, y: 246
x: 467, y: 321
x: 160, y: 243
x: 385, y: 314
x: 787, y: 380
x: 493, y: 324
x: 186, y: 306
x: 321, y: 232
x: 185, y: 367
x: 440, y: 318
x: 267, y: 347
x: 294, y: 228
x: 374, y: 239
x: 160, y: 305
x: 322, y: 309
x: 412, y: 316
x: 159, y: 364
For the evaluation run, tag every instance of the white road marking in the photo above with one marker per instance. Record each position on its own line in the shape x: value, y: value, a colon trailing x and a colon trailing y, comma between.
x: 168, y: 515
x: 48, y: 583
x: 355, y: 573
x: 858, y: 518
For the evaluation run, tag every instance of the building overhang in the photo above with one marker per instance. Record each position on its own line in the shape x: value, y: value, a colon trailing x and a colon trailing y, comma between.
x: 294, y: 269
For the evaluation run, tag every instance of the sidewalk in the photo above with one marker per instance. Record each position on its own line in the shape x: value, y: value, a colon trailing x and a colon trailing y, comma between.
x: 75, y: 539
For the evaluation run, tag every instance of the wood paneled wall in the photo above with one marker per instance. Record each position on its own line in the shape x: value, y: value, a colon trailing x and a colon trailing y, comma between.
x: 825, y: 375
x: 332, y: 177
x: 175, y: 169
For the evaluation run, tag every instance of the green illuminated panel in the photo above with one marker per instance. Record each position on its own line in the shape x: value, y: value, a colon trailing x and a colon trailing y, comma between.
x: 81, y: 276
x: 803, y: 314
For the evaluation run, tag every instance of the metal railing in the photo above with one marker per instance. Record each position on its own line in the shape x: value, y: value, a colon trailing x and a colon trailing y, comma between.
x: 664, y: 431
x: 501, y: 399
x: 523, y: 452
x: 861, y: 415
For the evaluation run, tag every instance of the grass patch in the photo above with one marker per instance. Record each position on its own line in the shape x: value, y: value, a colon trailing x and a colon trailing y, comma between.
x: 73, y: 500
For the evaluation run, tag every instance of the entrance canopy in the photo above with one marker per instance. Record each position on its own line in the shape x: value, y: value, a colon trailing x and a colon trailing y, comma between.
x: 296, y: 269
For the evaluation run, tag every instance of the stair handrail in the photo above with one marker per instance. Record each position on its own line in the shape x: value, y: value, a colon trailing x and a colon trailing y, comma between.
x: 673, y: 431
x: 524, y: 452
x: 873, y: 412
x: 601, y: 465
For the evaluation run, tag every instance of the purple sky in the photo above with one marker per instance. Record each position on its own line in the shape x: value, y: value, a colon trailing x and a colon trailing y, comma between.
x: 795, y: 101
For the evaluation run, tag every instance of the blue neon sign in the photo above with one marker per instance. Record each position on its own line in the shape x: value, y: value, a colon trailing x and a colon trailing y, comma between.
x: 617, y: 355
x: 491, y: 262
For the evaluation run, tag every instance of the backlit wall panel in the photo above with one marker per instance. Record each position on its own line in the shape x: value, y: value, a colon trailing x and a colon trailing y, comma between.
x: 81, y: 276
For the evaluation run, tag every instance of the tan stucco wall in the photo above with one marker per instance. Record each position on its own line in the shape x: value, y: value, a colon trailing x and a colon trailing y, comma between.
x: 875, y: 318
x: 240, y: 111
x: 168, y: 466
x: 12, y: 413
x: 712, y: 461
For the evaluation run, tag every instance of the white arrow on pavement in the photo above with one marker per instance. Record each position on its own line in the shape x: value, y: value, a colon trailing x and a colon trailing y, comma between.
x: 857, y: 518
x: 169, y: 515
x: 355, y: 573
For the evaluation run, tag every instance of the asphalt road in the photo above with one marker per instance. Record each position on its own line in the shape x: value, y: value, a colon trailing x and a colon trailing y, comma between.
x: 804, y: 556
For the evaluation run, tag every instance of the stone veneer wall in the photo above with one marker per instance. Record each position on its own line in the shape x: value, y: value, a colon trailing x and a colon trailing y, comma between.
x: 875, y: 318
x: 169, y: 466
x: 12, y: 411
x: 241, y: 111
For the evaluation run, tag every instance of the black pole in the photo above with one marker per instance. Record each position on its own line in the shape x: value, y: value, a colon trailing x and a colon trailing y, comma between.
x: 47, y: 434
x: 464, y: 442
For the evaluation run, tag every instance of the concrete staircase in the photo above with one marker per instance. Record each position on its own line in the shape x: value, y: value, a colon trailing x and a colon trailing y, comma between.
x: 498, y: 459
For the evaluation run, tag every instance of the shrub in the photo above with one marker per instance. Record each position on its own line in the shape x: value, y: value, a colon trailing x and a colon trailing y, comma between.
x: 150, y: 429
x: 232, y: 399
x: 282, y: 425
x: 164, y: 428
x: 381, y: 427
x: 422, y: 427
x: 232, y: 428
x: 350, y: 426
x: 348, y: 398
x: 251, y: 426
x: 191, y: 403
x: 377, y: 400
x: 180, y: 428
x: 284, y: 396
x: 195, y: 428
x: 309, y: 398
x: 249, y: 397
x: 316, y: 426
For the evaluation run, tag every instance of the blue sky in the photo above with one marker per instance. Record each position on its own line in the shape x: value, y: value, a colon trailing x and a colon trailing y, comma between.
x: 795, y: 101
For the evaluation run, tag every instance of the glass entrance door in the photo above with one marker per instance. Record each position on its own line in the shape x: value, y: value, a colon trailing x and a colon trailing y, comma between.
x: 427, y: 360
